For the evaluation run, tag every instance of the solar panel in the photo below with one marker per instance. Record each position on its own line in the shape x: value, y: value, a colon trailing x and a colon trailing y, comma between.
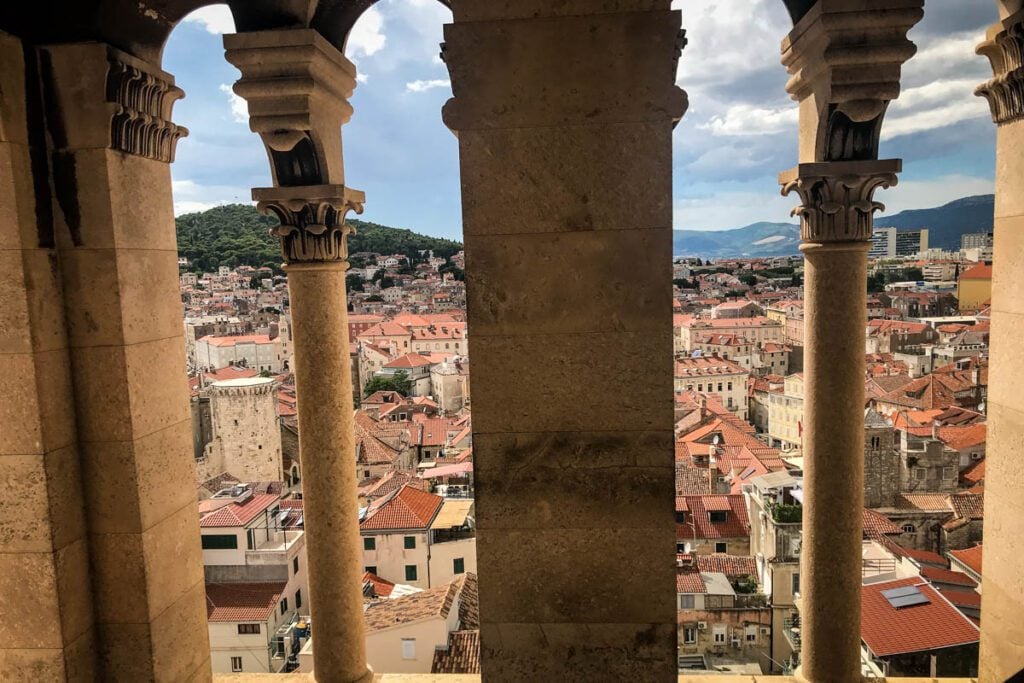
x: 900, y: 592
x: 905, y: 597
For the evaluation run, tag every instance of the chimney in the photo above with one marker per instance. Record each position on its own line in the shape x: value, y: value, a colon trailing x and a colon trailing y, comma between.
x: 935, y: 429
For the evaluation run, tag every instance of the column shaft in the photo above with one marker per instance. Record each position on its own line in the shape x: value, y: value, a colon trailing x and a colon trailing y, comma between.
x: 323, y: 383
x: 835, y: 304
x: 1002, y: 648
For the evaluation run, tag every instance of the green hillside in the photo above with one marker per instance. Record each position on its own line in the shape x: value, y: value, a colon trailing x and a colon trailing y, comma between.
x: 236, y: 234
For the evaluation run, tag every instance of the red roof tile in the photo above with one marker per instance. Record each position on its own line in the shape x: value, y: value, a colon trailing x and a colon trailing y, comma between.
x: 688, y: 580
x: 242, y: 601
x: 963, y: 598
x: 936, y: 575
x: 890, y: 631
x: 234, y: 514
x: 410, y: 508
x: 698, y: 522
x: 970, y: 557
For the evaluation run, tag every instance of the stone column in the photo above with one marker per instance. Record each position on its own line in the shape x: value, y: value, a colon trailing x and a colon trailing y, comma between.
x: 564, y: 120
x: 1002, y: 649
x: 845, y: 60
x: 44, y: 563
x: 297, y: 86
x: 107, y: 115
x: 836, y: 225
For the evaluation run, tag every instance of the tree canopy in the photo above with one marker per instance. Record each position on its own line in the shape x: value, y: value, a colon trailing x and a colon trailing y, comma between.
x: 236, y: 234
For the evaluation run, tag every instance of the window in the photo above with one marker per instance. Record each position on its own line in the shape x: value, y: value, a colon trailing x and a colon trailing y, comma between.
x: 721, y: 547
x: 284, y: 605
x: 682, y: 548
x: 920, y: 473
x: 459, y: 565
x: 686, y: 602
x: 680, y: 517
x: 298, y: 599
x: 730, y: 386
x: 220, y: 542
x: 719, y: 632
x: 408, y: 648
x: 372, y: 568
x: 295, y: 565
x: 796, y: 584
x: 250, y: 539
x: 410, y: 572
x: 718, y: 515
x: 909, y: 529
x: 410, y: 542
x: 875, y: 442
x: 236, y: 663
x: 948, y: 472
x: 369, y: 543
x: 689, y: 634
x: 751, y: 633
x: 248, y: 628
x: 719, y: 386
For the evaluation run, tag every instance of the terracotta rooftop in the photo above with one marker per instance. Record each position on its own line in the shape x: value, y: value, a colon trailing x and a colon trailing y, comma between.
x: 890, y: 631
x: 410, y: 508
x: 733, y: 566
x: 936, y: 575
x: 234, y: 514
x: 462, y: 655
x: 381, y: 587
x: 242, y: 601
x: 970, y: 557
x: 688, y: 580
x: 238, y: 339
x: 876, y: 525
x: 698, y: 522
x: 433, y: 602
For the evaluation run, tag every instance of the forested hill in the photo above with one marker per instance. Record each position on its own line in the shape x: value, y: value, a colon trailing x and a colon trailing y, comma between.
x: 236, y: 234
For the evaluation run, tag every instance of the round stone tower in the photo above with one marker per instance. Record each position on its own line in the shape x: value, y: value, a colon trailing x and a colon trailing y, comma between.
x: 246, y: 434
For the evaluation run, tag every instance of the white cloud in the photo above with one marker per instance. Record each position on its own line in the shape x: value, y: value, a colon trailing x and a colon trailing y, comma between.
x: 746, y: 119
x: 362, y: 78
x: 423, y: 86
x: 190, y: 196
x: 239, y: 109
x: 216, y: 19
x: 367, y: 36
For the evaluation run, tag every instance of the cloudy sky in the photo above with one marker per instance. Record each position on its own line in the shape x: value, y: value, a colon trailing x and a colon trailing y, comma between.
x: 739, y: 133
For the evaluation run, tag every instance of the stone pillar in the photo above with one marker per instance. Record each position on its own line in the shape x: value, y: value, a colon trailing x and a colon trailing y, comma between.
x: 564, y: 121
x: 47, y: 633
x: 1002, y: 649
x: 297, y: 86
x: 112, y: 142
x: 836, y: 225
x: 845, y: 60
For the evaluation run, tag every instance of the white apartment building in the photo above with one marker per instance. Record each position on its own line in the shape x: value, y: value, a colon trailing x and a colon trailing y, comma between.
x: 254, y: 561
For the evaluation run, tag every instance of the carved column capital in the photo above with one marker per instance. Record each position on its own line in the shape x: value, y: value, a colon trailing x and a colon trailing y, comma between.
x: 837, y: 198
x: 845, y: 69
x: 1004, y: 48
x: 297, y: 86
x: 103, y: 97
x: 313, y: 227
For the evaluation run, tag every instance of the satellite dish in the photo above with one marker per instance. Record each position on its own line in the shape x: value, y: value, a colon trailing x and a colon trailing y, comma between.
x: 715, y: 439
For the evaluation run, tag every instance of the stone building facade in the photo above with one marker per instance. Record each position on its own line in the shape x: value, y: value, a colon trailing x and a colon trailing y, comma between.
x: 246, y: 434
x: 881, y: 461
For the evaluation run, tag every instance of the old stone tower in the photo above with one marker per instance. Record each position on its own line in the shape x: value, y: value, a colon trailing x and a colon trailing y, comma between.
x: 881, y: 461
x: 246, y: 436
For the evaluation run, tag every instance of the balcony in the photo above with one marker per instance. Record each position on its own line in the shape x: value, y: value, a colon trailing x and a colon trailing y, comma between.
x: 277, y: 548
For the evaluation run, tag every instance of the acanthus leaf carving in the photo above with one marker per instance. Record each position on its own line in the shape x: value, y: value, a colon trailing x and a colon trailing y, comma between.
x: 1004, y: 48
x: 141, y: 102
x: 837, y: 198
x: 312, y: 220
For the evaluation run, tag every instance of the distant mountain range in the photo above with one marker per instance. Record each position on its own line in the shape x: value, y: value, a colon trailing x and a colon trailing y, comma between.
x: 945, y: 225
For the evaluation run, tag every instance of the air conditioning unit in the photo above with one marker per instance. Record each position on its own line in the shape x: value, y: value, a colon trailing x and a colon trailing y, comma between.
x: 702, y: 626
x: 764, y: 630
x: 735, y: 642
